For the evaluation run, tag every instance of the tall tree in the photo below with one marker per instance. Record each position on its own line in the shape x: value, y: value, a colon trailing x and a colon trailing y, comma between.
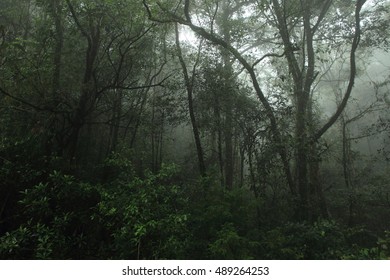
x: 189, y: 82
x: 309, y: 18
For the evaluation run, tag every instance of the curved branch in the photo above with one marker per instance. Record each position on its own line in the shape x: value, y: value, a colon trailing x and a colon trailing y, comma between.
x: 352, y: 76
x: 214, y: 16
x: 265, y: 56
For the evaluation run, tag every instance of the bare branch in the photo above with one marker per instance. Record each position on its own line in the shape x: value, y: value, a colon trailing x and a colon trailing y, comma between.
x: 214, y: 16
x: 159, y: 20
x: 124, y: 87
x: 324, y: 10
x: 372, y: 108
x: 24, y: 102
x: 267, y: 55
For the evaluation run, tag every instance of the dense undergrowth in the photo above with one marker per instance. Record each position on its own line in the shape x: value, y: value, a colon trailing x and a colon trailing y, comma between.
x: 121, y: 215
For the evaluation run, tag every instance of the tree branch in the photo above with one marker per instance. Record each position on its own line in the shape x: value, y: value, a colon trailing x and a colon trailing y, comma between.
x: 76, y: 20
x: 351, y: 82
x: 289, y: 50
x: 159, y: 84
x: 265, y: 56
x: 214, y: 16
x: 324, y: 10
x: 187, y: 10
x: 37, y: 108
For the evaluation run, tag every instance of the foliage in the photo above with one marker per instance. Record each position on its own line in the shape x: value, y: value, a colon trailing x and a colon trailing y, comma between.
x: 230, y: 245
x: 97, y: 151
x: 65, y: 218
x: 55, y: 221
x: 325, y: 239
x: 146, y: 216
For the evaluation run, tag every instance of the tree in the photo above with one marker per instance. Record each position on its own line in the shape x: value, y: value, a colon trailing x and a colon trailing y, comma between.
x: 302, y: 68
x: 189, y: 82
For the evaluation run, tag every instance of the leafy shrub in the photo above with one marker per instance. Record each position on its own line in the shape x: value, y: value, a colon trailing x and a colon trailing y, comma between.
x: 146, y: 216
x: 230, y: 245
x: 56, y: 221
x: 325, y: 239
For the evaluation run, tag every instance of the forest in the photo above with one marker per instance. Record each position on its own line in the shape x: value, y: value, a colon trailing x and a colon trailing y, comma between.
x: 195, y: 129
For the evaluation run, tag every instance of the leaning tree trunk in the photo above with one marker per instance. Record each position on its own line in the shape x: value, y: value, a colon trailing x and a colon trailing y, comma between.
x: 189, y: 82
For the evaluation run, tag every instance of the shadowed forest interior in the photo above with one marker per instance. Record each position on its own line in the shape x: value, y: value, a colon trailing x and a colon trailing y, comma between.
x: 194, y: 129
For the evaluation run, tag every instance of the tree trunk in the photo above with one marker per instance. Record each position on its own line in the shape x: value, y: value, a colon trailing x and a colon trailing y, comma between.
x: 228, y: 95
x: 189, y: 81
x: 53, y: 98
x: 115, y: 122
x: 218, y: 129
x: 346, y: 162
x: 88, y: 95
x: 301, y: 157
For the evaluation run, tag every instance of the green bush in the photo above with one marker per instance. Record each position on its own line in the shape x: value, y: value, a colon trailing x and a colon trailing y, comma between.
x: 55, y: 221
x: 146, y: 217
x: 325, y: 239
x: 230, y: 245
